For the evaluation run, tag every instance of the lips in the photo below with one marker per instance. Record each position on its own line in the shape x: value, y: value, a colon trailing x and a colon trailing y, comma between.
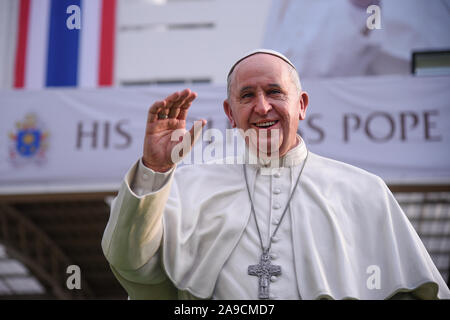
x: 266, y: 124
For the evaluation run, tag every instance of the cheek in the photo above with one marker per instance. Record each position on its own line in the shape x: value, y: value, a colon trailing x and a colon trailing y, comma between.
x: 288, y: 120
x: 246, y: 115
x: 290, y: 123
x: 242, y: 118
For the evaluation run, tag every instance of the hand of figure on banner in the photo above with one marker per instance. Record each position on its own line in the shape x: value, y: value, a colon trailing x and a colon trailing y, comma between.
x: 166, y: 122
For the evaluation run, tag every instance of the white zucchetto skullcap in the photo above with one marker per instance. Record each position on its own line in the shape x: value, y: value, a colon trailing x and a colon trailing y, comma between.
x: 266, y: 51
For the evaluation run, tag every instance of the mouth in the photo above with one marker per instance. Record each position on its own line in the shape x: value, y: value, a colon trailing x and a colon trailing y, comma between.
x: 265, y: 124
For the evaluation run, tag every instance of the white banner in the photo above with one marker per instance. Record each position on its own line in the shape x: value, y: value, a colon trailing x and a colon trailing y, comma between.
x: 78, y: 140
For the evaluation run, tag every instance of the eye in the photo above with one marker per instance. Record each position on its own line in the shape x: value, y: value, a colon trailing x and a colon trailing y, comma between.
x: 274, y: 91
x: 247, y: 95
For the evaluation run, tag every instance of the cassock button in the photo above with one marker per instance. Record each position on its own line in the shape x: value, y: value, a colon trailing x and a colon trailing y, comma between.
x: 276, y: 206
x: 272, y: 296
x: 276, y: 175
x: 273, y: 256
x: 275, y: 239
x: 145, y: 176
x: 275, y: 221
x: 273, y: 278
x: 277, y: 191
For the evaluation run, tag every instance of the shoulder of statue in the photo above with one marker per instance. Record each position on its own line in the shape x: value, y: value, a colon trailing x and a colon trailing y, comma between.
x: 343, y: 176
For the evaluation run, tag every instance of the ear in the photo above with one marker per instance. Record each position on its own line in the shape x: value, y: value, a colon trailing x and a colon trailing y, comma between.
x: 303, y: 103
x: 229, y: 113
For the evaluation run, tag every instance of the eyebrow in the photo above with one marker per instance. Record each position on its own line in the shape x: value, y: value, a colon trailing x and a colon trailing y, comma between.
x: 271, y: 85
x: 245, y: 88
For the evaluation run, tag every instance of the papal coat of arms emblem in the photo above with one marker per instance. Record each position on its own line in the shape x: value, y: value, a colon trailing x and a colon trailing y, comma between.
x: 29, y: 142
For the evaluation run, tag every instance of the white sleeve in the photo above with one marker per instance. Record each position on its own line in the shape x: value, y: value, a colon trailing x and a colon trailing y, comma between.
x: 146, y: 180
x: 134, y: 231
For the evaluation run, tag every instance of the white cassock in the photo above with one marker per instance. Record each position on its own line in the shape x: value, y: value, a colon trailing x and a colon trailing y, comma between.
x: 189, y: 233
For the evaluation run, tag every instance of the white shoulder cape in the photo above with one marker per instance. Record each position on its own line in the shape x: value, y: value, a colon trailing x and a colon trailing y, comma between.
x: 346, y: 227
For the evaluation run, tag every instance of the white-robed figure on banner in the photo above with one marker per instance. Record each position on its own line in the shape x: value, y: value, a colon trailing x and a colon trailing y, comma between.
x: 290, y: 225
x: 326, y: 38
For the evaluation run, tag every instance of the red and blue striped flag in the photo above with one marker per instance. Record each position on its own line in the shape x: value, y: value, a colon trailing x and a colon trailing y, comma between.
x: 50, y: 54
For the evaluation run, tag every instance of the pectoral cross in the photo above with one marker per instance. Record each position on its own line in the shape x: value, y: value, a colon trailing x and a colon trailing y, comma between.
x: 264, y: 270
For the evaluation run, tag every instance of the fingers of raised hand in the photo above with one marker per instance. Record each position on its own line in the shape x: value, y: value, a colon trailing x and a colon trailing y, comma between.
x: 183, y: 108
x: 160, y: 109
x: 156, y: 108
x: 183, y: 102
x: 174, y: 106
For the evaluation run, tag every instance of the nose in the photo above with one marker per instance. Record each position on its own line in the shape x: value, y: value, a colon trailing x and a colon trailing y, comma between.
x: 262, y: 105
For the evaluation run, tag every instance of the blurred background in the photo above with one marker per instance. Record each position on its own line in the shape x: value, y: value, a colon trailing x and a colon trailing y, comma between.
x: 77, y: 78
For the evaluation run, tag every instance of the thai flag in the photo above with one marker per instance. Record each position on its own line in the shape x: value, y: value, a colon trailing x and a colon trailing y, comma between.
x: 50, y: 54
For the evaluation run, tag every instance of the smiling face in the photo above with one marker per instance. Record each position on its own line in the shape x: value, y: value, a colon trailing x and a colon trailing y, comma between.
x: 263, y: 97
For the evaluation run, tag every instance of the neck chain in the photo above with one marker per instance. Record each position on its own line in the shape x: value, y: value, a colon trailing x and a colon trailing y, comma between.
x: 264, y: 270
x: 282, y: 215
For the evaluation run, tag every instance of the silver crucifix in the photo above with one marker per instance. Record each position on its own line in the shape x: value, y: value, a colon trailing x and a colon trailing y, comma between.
x: 264, y: 270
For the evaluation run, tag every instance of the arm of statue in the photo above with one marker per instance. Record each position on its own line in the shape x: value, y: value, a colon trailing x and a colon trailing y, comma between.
x: 132, y: 238
x: 134, y: 231
x: 133, y: 235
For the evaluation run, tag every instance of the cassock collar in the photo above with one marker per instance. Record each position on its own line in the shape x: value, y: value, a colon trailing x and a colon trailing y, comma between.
x: 292, y: 158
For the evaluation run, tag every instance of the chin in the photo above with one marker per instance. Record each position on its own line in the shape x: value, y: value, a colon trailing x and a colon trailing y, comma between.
x: 269, y: 147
